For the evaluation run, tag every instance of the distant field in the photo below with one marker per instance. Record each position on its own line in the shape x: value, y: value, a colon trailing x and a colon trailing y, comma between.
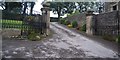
x: 13, y: 24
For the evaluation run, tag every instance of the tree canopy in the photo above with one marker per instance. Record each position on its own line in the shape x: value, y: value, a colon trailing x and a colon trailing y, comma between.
x: 17, y: 7
x: 61, y: 8
x: 95, y: 6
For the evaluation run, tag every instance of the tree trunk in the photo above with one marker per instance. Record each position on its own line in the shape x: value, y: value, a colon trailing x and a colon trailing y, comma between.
x: 32, y: 5
x: 58, y: 16
x: 25, y: 7
x: 59, y: 13
x: 7, y: 6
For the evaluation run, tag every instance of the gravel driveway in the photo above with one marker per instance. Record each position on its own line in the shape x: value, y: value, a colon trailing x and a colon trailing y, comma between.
x: 64, y: 44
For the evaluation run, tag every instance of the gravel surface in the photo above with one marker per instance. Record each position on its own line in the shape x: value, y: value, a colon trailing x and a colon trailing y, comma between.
x: 64, y: 44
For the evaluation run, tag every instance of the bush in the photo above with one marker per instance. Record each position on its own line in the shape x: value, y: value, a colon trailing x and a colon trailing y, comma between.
x: 74, y: 24
x: 66, y: 22
x: 83, y: 28
x: 118, y: 39
x: 34, y: 36
x: 62, y: 21
x: 69, y: 26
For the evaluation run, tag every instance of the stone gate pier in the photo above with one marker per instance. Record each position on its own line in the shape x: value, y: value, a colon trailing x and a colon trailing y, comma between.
x: 89, y: 23
x: 103, y: 24
x: 46, y: 17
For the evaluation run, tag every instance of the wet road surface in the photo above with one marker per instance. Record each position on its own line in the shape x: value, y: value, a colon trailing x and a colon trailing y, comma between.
x: 64, y: 44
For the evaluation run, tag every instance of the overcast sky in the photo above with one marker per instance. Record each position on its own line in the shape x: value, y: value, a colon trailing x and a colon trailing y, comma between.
x: 38, y: 6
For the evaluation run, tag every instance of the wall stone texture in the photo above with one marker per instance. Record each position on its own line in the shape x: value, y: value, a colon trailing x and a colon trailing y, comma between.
x: 80, y: 18
x: 107, y: 23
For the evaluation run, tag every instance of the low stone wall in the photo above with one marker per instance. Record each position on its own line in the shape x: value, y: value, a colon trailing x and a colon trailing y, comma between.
x: 52, y: 19
x: 10, y: 32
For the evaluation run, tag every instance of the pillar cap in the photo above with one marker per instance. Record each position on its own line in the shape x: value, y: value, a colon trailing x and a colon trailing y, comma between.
x: 90, y: 12
x: 46, y: 4
x: 45, y: 8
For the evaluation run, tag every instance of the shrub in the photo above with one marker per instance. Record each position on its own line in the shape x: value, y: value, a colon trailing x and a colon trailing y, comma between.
x: 119, y: 39
x: 30, y: 18
x: 66, y: 22
x: 84, y: 28
x: 74, y: 24
x: 62, y: 21
x: 34, y: 36
x: 31, y: 36
x: 69, y: 26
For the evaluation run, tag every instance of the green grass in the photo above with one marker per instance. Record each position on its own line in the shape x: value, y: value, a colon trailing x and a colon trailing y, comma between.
x: 10, y: 22
x: 14, y: 24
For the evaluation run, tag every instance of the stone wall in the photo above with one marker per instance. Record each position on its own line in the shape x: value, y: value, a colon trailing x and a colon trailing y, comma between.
x: 80, y: 18
x: 52, y: 19
x: 106, y: 23
x: 36, y: 23
x: 102, y: 24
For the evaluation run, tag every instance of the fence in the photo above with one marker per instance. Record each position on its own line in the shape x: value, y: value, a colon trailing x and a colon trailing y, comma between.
x: 23, y: 23
x: 11, y: 16
x: 11, y: 24
x: 36, y: 23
